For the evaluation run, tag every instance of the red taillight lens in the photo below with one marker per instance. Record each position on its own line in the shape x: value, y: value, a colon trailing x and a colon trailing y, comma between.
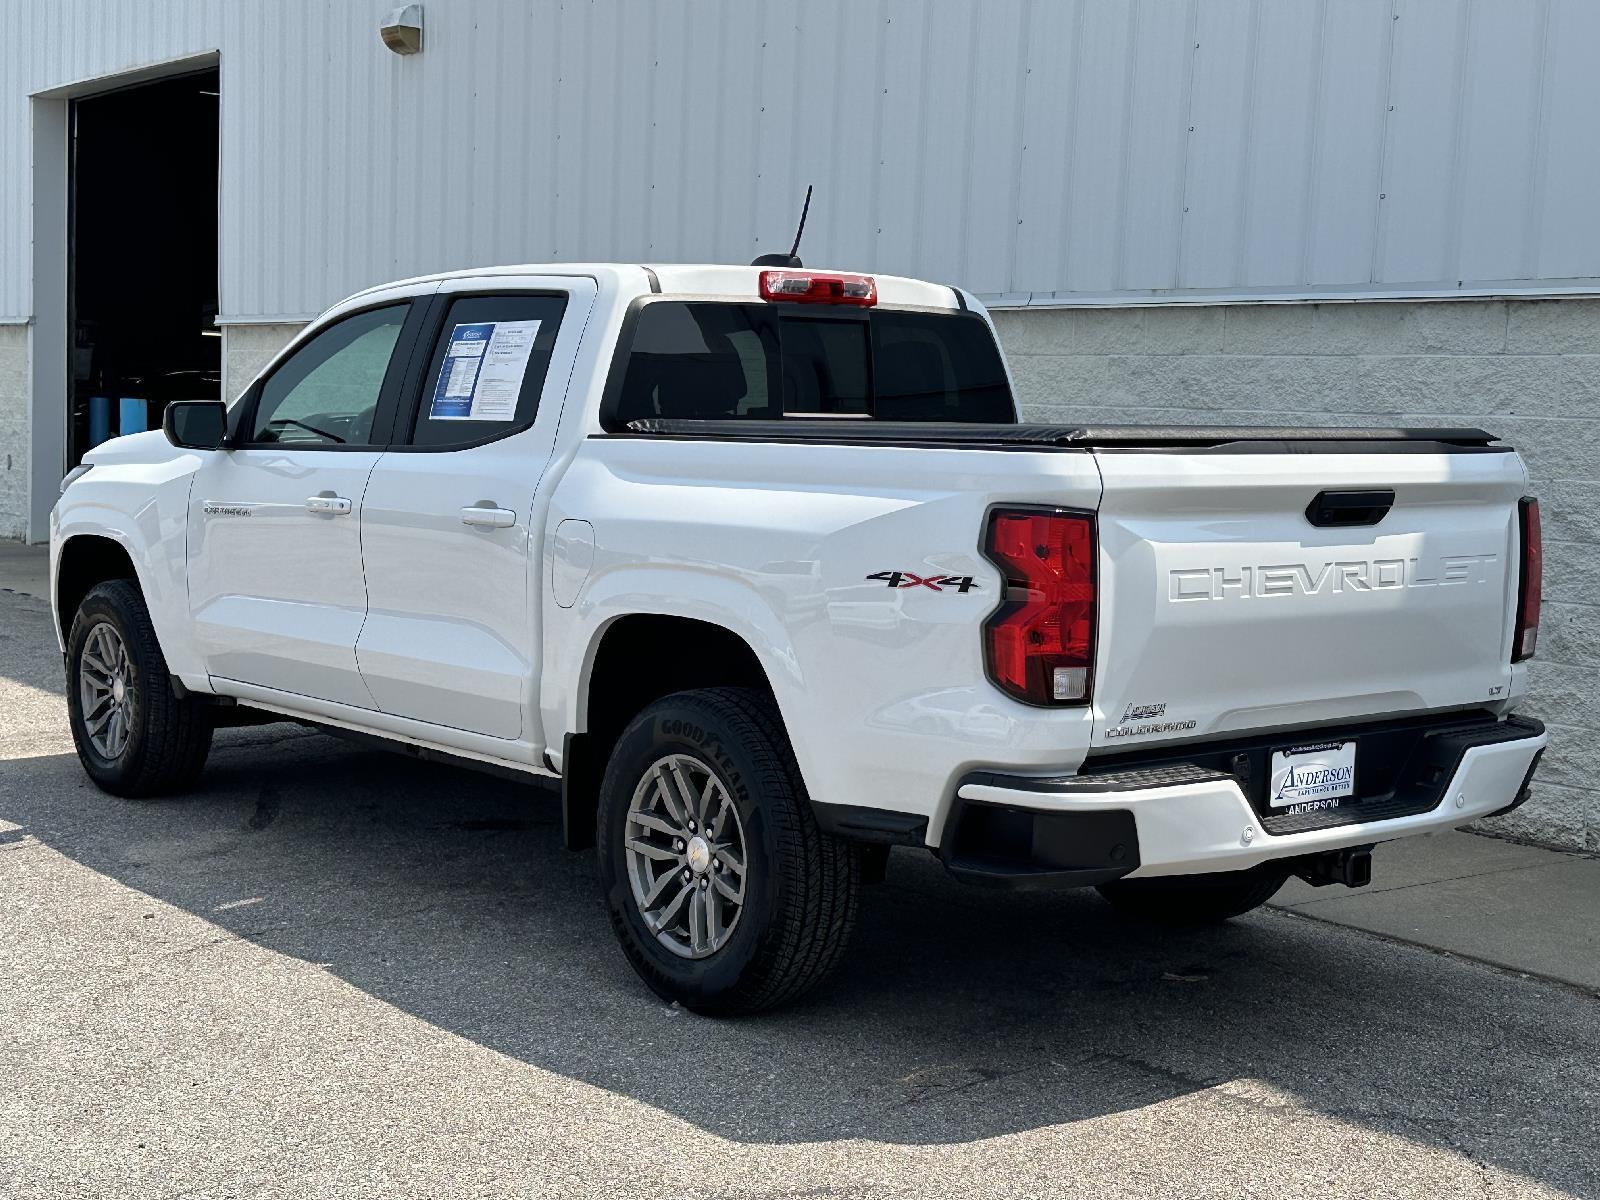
x: 816, y: 287
x: 1530, y: 584
x: 1040, y: 642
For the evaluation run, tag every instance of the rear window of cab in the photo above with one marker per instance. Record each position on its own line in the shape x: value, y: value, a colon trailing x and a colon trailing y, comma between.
x: 713, y: 360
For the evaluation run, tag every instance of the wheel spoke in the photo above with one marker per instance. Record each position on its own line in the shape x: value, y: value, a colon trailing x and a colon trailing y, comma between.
x: 659, y: 853
x: 94, y: 663
x: 736, y: 895
x: 697, y: 920
x: 684, y: 791
x: 713, y: 916
x: 660, y: 885
x: 659, y: 824
x: 666, y: 916
x: 711, y: 789
x: 721, y: 821
x: 96, y: 723
x: 669, y: 796
x: 729, y: 859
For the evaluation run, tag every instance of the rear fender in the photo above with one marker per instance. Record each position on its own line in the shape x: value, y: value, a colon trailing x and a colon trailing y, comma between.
x: 665, y: 591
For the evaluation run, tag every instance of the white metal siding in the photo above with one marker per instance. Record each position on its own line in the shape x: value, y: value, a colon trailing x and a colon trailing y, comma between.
x: 1087, y: 150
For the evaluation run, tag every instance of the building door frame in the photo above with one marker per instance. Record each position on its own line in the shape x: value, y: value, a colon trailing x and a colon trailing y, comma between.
x: 49, y: 338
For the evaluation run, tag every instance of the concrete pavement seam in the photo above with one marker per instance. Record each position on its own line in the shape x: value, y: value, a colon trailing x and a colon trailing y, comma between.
x: 1566, y: 985
x: 1406, y: 887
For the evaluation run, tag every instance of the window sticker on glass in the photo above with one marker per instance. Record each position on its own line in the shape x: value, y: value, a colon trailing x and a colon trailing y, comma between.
x: 482, y: 373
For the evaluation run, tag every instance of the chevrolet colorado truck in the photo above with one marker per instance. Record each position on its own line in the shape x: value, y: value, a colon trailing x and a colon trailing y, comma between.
x: 761, y: 566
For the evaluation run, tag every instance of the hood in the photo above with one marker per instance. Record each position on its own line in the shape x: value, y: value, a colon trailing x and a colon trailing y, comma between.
x: 148, y: 447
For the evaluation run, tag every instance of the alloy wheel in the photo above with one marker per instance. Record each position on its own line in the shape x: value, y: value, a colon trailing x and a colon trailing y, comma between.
x: 686, y: 856
x: 105, y: 691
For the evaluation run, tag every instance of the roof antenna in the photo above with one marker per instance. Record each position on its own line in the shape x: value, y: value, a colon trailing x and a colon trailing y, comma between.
x: 791, y: 259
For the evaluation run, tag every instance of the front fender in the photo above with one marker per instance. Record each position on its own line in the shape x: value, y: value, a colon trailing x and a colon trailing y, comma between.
x: 149, y: 520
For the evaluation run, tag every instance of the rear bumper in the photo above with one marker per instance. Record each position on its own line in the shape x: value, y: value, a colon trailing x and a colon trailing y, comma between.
x: 1189, y: 819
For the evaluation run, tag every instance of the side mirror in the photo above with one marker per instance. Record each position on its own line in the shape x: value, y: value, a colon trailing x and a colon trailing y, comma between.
x: 196, y: 424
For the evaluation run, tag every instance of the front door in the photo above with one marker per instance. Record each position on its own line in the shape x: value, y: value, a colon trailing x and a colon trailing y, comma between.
x: 448, y: 527
x: 275, y: 580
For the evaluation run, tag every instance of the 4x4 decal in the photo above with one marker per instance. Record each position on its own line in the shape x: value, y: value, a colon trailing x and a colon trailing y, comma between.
x: 937, y: 583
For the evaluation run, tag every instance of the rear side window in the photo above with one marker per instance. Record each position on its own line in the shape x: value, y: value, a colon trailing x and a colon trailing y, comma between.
x: 709, y: 360
x: 488, y: 369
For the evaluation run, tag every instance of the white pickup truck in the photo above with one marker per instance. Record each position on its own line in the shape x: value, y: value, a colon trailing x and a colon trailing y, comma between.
x: 760, y: 565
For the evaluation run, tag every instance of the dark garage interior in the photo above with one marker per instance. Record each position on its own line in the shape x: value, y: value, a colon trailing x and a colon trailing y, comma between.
x: 142, y: 264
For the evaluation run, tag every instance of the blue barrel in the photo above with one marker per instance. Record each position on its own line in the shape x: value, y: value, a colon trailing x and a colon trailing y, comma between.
x: 99, y: 419
x: 133, y: 415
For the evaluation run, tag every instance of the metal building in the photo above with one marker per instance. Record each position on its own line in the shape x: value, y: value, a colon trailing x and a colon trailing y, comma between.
x: 1166, y: 196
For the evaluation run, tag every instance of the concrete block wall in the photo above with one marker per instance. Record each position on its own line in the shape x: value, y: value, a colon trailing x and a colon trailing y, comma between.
x: 13, y: 431
x: 1528, y: 370
x: 248, y: 348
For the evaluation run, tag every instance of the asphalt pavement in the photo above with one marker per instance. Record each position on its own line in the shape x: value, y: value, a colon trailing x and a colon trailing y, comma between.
x: 335, y: 972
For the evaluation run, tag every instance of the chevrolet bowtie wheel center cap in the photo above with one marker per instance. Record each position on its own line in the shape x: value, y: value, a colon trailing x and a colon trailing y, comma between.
x: 699, y: 855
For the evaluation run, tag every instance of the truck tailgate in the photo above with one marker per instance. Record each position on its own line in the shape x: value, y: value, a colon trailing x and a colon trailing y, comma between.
x: 1224, y: 608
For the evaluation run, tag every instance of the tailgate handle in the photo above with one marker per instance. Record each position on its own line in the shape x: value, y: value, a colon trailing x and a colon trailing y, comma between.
x: 1344, y: 510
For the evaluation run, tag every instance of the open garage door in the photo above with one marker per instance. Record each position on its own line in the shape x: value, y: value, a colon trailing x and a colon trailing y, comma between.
x: 142, y: 256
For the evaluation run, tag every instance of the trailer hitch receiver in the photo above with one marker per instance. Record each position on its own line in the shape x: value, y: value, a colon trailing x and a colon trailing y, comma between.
x: 1351, y: 867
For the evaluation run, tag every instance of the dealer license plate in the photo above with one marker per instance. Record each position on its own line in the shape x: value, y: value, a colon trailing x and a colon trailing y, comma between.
x: 1306, y: 778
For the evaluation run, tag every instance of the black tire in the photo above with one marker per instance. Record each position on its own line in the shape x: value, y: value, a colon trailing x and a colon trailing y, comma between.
x: 800, y: 887
x: 1189, y: 901
x: 167, y: 737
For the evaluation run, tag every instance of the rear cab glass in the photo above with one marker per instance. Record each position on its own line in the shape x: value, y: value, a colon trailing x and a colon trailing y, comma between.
x: 716, y: 360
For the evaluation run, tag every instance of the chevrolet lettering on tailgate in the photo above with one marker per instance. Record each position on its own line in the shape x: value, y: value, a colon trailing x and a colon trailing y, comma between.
x: 1300, y: 579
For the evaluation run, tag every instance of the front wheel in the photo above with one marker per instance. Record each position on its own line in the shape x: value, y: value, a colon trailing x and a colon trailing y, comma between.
x: 1193, y: 900
x: 723, y: 892
x: 134, y: 735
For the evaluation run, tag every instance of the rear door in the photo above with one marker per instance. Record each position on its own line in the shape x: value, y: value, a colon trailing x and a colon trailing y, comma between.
x: 1225, y: 608
x: 275, y: 579
x: 447, y: 527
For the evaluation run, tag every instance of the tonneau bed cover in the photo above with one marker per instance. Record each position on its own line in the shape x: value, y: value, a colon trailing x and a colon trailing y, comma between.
x: 1280, y: 439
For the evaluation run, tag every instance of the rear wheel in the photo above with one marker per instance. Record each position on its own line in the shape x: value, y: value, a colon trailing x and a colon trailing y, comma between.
x: 1192, y: 900
x: 134, y: 735
x: 722, y: 890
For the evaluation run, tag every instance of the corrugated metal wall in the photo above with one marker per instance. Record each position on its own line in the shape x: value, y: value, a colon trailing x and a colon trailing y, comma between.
x: 1030, y: 149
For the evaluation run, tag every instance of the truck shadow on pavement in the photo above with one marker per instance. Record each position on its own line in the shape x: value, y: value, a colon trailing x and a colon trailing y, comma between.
x: 959, y: 1014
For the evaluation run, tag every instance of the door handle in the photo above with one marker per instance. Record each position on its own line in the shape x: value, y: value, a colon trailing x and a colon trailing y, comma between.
x: 488, y: 518
x: 336, y: 506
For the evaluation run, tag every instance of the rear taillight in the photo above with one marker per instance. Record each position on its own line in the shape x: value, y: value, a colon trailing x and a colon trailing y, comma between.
x: 1530, y: 582
x: 819, y: 287
x: 1040, y: 642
